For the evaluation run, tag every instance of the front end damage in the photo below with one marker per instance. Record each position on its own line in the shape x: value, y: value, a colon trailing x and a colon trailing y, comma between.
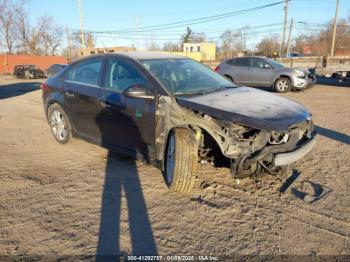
x: 250, y: 152
x: 271, y: 152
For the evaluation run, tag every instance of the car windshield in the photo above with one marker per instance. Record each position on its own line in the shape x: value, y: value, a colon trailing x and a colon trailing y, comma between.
x: 275, y: 64
x: 186, y: 76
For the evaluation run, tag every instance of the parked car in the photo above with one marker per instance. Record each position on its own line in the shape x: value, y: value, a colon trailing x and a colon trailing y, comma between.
x: 28, y: 71
x: 174, y: 112
x: 264, y: 72
x: 16, y: 70
x: 54, y: 69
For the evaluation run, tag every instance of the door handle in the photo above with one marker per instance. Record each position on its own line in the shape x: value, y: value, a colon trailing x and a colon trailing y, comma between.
x: 69, y: 93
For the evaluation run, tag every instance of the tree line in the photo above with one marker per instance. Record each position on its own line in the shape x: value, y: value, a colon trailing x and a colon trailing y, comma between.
x: 20, y: 35
x: 315, y: 40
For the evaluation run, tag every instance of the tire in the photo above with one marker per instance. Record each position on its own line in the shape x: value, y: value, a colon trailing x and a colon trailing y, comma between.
x: 181, y: 160
x: 27, y: 75
x: 283, y: 85
x: 59, y: 124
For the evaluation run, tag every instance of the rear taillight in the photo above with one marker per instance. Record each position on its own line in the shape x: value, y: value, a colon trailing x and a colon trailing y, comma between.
x: 44, y: 86
x: 217, y: 69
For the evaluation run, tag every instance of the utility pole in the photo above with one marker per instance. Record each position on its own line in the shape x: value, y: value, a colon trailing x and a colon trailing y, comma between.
x: 69, y: 49
x: 81, y: 25
x: 137, y: 28
x: 289, y: 35
x: 335, y: 28
x: 242, y: 48
x: 285, y: 26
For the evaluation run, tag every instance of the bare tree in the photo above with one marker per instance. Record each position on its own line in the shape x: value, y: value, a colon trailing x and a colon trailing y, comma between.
x: 152, y: 45
x: 72, y: 51
x: 269, y: 46
x: 50, y: 35
x: 21, y: 36
x: 28, y: 37
x: 199, y: 37
x: 319, y: 41
x: 8, y: 10
x: 230, y: 43
x: 171, y: 47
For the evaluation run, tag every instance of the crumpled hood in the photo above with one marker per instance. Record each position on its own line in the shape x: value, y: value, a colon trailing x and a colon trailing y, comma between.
x: 249, y: 107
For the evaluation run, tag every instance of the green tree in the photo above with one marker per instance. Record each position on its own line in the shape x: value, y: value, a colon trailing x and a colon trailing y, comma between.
x: 187, y: 37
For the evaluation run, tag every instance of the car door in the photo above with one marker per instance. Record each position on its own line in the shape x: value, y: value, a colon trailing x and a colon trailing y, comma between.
x: 126, y: 123
x: 81, y: 86
x: 240, y: 70
x: 261, y: 72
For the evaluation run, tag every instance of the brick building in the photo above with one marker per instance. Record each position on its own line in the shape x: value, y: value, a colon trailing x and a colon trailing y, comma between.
x: 7, y: 61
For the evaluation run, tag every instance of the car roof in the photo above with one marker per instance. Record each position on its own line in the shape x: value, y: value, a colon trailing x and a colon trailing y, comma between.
x: 136, y: 55
x: 140, y: 55
x: 264, y: 57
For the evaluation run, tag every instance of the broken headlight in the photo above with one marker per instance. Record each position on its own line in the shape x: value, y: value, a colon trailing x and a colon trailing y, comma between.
x: 278, y: 138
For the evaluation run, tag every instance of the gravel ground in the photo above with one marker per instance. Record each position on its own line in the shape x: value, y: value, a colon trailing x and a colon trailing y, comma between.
x: 79, y: 199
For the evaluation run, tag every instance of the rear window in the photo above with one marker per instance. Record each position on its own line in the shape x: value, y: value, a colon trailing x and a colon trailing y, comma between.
x: 85, y: 72
x: 241, y: 62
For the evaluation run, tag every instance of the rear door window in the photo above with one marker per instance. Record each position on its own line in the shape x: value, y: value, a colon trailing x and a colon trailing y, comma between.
x: 230, y: 61
x: 244, y: 62
x: 86, y: 72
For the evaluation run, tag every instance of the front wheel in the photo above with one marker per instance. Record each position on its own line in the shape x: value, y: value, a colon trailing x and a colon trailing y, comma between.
x: 27, y: 75
x: 283, y: 85
x: 59, y: 124
x: 181, y: 160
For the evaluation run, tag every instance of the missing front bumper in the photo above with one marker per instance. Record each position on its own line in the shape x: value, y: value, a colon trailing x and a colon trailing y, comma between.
x: 288, y: 158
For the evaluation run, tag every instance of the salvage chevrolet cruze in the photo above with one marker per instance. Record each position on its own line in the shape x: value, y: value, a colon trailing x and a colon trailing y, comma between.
x: 174, y: 112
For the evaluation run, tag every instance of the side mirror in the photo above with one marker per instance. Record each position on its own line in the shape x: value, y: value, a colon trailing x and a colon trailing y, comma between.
x: 138, y: 91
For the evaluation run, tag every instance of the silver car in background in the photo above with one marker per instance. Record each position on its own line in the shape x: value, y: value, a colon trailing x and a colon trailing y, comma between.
x: 264, y: 72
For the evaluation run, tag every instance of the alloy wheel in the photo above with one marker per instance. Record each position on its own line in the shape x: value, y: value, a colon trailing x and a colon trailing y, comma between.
x: 282, y: 85
x: 58, y: 125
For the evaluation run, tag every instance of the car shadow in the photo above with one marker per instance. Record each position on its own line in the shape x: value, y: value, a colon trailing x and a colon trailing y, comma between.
x: 267, y: 89
x: 271, y: 90
x: 340, y: 137
x: 318, y: 191
x: 122, y: 183
x: 17, y: 89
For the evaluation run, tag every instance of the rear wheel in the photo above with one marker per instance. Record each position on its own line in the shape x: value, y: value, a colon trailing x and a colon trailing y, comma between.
x: 181, y: 160
x: 283, y: 85
x: 59, y: 124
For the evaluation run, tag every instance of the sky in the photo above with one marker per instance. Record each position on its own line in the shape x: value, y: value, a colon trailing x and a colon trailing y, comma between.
x: 107, y: 15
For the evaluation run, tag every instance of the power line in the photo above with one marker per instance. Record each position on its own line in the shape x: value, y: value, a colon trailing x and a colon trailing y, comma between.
x: 175, y: 39
x: 320, y: 24
x: 191, y: 21
x: 179, y: 33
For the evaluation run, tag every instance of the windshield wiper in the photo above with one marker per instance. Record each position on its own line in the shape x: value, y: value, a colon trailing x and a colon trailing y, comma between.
x: 202, y: 92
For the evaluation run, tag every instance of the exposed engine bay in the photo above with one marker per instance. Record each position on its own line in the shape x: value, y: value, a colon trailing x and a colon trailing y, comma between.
x: 250, y: 152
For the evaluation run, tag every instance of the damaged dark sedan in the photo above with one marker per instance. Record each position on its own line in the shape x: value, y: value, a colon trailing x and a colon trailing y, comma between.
x: 175, y: 112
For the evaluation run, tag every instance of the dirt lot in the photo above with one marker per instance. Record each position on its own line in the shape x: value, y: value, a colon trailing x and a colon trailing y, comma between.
x: 79, y: 199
